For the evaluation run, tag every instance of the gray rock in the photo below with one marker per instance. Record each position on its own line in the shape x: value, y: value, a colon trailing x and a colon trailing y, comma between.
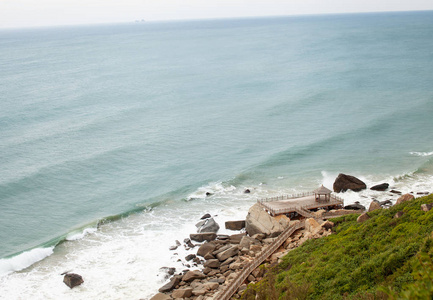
x: 192, y: 275
x: 380, y: 187
x: 190, y: 257
x: 206, y: 248
x: 182, y: 293
x: 209, y: 226
x: 200, y: 237
x: 72, y: 280
x: 169, y: 286
x: 232, y: 251
x: 355, y: 206
x: 235, y: 225
x: 206, y: 216
x: 212, y: 263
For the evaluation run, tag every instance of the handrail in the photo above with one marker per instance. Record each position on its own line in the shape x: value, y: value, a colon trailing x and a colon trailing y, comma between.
x: 235, y: 284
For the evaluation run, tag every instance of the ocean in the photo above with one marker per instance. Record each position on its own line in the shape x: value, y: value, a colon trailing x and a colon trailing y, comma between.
x: 111, y: 135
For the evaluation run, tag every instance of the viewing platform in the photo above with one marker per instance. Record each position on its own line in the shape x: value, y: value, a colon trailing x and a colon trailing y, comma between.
x: 303, y: 203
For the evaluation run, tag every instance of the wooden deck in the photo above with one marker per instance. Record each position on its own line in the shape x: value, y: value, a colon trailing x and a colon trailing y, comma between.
x: 298, y: 203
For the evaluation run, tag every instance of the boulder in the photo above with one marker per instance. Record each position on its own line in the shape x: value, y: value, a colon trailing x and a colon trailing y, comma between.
x: 182, y: 293
x: 374, y: 205
x: 188, y: 243
x: 426, y: 207
x: 161, y: 296
x: 200, y: 237
x: 169, y: 286
x: 211, y: 285
x: 72, y: 280
x: 209, y: 226
x: 404, y: 198
x: 345, y: 182
x: 380, y: 187
x: 362, y: 218
x: 232, y: 251
x: 235, y: 225
x: 259, y: 221
x: 192, y: 275
x: 355, y: 206
x: 206, y: 248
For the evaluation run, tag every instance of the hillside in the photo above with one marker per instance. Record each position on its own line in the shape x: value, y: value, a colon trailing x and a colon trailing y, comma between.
x: 385, y: 257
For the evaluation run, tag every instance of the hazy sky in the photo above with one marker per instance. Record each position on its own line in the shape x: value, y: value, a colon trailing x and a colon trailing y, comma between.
x: 25, y: 13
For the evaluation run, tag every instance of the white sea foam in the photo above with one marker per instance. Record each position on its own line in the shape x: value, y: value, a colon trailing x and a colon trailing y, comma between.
x: 422, y: 153
x: 77, y: 236
x: 23, y: 260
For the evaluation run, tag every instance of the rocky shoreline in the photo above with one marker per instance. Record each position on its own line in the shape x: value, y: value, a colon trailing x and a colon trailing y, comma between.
x: 220, y: 258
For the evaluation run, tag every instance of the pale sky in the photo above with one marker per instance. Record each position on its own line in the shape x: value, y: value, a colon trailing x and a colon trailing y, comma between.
x: 30, y: 13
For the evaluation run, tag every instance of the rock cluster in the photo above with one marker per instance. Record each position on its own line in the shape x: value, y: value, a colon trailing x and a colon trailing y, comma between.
x: 221, y: 259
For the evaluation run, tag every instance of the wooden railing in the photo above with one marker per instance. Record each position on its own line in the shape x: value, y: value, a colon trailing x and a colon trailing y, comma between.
x: 285, y: 197
x: 251, y: 266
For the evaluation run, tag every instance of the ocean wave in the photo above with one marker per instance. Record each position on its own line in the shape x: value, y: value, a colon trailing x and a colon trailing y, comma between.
x: 23, y: 260
x: 421, y: 153
x: 78, y: 236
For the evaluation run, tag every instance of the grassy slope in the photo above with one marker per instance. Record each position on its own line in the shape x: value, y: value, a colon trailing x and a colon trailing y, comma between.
x: 356, y: 260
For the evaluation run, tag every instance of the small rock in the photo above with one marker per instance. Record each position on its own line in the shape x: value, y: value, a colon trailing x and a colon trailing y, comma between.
x: 385, y: 203
x: 190, y: 257
x: 247, y: 191
x: 211, y: 285
x: 206, y: 216
x: 72, y: 280
x: 362, y: 218
x: 395, y: 192
x: 426, y: 207
x: 160, y: 296
x: 172, y: 248
x: 327, y: 225
x: 177, y: 243
x: 188, y: 243
x: 355, y: 206
x: 380, y: 187
x: 208, y: 194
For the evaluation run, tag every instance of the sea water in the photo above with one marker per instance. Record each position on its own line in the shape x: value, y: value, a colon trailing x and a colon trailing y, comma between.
x: 111, y: 136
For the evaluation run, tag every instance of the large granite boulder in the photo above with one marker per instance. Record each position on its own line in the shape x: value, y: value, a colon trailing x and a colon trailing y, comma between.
x: 209, y: 226
x: 259, y: 221
x: 72, y: 280
x: 345, y: 182
x: 404, y: 198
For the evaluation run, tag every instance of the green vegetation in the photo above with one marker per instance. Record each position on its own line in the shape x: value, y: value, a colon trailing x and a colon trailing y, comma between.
x: 382, y: 258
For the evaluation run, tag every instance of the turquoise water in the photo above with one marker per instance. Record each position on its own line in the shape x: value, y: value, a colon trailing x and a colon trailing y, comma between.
x: 107, y: 120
